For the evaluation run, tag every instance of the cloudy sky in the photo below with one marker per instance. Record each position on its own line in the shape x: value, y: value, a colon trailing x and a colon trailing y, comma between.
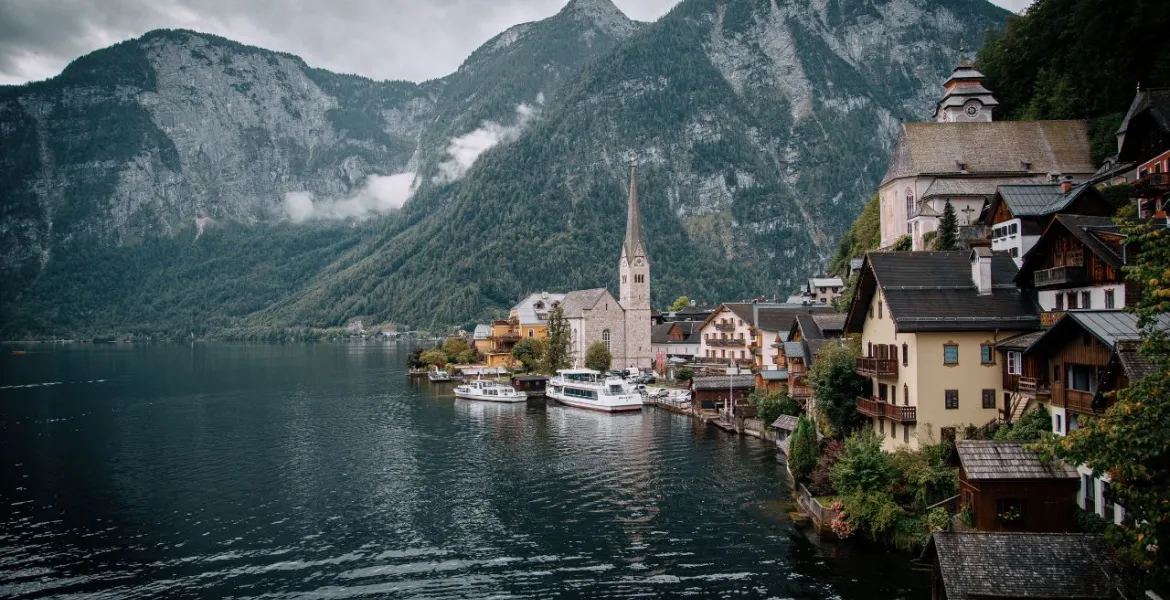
x: 383, y: 39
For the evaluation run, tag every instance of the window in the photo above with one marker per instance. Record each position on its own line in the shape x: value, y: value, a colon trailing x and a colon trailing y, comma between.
x: 1055, y: 373
x: 1015, y: 360
x: 1009, y: 511
x: 1088, y: 485
x: 1082, y: 378
x: 605, y: 337
x: 1072, y: 300
x: 893, y: 430
x: 1109, y: 299
x: 905, y: 355
x: 1086, y: 300
x: 988, y: 398
x: 1059, y: 301
x: 1014, y: 228
x: 1107, y: 502
x: 950, y: 354
x: 905, y: 395
x: 1057, y: 425
x: 909, y: 204
x: 986, y: 354
x: 879, y: 303
x: 952, y: 399
x: 906, y: 433
x: 869, y: 348
x: 531, y: 333
x: 1015, y: 252
x: 893, y: 394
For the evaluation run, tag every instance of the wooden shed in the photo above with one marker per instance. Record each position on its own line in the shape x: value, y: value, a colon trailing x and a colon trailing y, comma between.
x: 1009, y: 488
x: 711, y: 393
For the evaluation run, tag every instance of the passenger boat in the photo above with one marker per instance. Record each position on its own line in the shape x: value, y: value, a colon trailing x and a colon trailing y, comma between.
x: 489, y: 391
x: 439, y: 375
x: 586, y: 388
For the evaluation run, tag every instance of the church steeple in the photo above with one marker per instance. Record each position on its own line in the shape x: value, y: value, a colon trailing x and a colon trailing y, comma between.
x: 965, y: 100
x: 634, y: 244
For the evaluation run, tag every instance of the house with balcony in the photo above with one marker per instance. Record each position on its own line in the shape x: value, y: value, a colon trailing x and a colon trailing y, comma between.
x: 929, y: 322
x: 1077, y: 265
x: 808, y: 333
x: 1025, y: 377
x: 1019, y: 213
x: 727, y: 335
x: 1088, y: 356
x: 675, y: 340
x: 528, y: 318
x: 1144, y: 140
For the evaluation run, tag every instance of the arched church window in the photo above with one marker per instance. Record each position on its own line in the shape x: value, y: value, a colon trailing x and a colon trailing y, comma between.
x: 605, y: 338
x: 909, y: 202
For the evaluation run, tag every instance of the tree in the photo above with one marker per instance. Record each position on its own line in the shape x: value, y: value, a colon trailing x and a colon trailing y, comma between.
x: 1129, y: 442
x: 454, y: 347
x: 556, y: 348
x: 803, y: 449
x: 529, y: 352
x: 770, y: 405
x: 434, y: 357
x: 414, y: 360
x: 836, y: 386
x: 679, y: 303
x: 684, y: 374
x: 1033, y: 425
x: 904, y: 243
x: 467, y: 357
x: 597, y: 357
x: 948, y: 230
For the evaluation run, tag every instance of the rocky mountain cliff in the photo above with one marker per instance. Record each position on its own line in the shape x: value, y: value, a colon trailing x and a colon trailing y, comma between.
x: 761, y: 127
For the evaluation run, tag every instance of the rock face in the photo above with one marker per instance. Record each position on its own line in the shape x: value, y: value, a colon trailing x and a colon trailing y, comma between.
x: 762, y: 126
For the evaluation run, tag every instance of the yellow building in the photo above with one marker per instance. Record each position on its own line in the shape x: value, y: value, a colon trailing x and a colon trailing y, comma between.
x: 929, y: 322
x: 527, y: 319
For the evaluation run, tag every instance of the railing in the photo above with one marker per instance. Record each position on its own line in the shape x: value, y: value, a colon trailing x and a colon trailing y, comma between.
x: 725, y: 342
x: 873, y: 407
x: 1059, y: 276
x: 508, y: 337
x: 877, y: 367
x: 725, y: 326
x: 1078, y: 401
x: 1152, y: 182
x: 1049, y: 318
x: 800, y: 391
x: 1030, y: 386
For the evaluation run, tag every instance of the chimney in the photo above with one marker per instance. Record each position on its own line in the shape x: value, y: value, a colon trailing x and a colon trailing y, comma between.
x: 1066, y: 184
x: 981, y: 269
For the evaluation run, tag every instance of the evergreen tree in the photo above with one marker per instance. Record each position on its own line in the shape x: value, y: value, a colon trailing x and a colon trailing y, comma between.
x: 948, y: 230
x: 598, y: 357
x: 803, y: 450
x: 556, y: 349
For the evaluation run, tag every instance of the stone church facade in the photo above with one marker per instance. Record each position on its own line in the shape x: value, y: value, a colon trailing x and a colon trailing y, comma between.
x: 622, y: 324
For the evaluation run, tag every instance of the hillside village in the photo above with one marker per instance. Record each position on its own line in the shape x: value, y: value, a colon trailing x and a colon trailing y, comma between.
x: 995, y: 316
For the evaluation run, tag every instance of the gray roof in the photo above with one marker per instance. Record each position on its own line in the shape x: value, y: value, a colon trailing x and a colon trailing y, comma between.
x: 1020, y: 342
x: 634, y: 244
x: 997, y: 460
x: 825, y: 282
x: 856, y: 263
x: 999, y: 147
x: 527, y: 312
x: 482, y: 332
x: 780, y: 318
x: 945, y: 187
x: 774, y: 374
x: 1039, y: 199
x: 1110, y: 327
x: 1135, y: 364
x: 660, y: 334
x: 1157, y: 101
x: 1026, y: 565
x: 933, y: 291
x: 785, y: 422
x: 793, y: 349
x: 830, y: 322
x: 581, y: 300
x: 1093, y: 232
x: 723, y: 382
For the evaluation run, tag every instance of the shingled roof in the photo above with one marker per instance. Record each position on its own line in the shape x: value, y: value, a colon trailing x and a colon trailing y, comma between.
x: 1046, y: 199
x: 999, y: 147
x: 1026, y: 565
x: 723, y: 382
x: 576, y: 302
x: 998, y: 460
x: 933, y: 291
x: 780, y: 318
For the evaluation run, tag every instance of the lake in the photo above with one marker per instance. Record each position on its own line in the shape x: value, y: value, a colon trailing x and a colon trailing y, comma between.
x: 323, y: 471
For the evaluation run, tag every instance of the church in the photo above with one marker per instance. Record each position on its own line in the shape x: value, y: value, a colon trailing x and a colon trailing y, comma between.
x: 623, y: 323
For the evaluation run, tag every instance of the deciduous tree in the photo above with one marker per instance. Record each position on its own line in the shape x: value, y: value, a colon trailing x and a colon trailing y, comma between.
x: 556, y: 349
x: 836, y: 386
x: 529, y: 352
x: 598, y: 357
x: 434, y: 357
x: 679, y: 303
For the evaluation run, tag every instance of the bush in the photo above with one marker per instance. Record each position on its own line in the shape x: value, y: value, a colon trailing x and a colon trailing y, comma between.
x: 1032, y: 426
x: 770, y: 405
x: 863, y: 466
x: 821, y: 481
x: 803, y: 450
x: 684, y: 374
x: 434, y: 357
x: 529, y: 352
x: 836, y: 386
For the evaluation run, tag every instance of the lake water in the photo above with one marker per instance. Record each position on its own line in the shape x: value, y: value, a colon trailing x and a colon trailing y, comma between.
x: 322, y: 471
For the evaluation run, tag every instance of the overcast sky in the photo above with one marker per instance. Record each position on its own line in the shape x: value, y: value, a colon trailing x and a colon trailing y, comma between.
x: 383, y: 39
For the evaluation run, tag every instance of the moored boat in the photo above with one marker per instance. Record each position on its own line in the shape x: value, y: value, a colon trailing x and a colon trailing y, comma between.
x: 489, y: 391
x: 586, y: 388
x: 439, y: 375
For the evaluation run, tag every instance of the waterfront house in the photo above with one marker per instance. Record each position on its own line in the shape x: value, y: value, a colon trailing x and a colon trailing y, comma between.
x: 1018, y: 214
x: 1054, y: 566
x: 772, y: 325
x: 1005, y: 487
x: 721, y: 393
x: 1144, y: 140
x: 929, y: 322
x: 1077, y: 265
x: 726, y: 335
x: 1089, y: 356
x: 805, y: 337
x: 964, y: 156
x: 822, y: 290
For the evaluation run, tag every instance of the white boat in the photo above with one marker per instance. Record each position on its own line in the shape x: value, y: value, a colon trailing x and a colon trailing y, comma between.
x: 489, y: 391
x: 439, y: 375
x: 586, y: 388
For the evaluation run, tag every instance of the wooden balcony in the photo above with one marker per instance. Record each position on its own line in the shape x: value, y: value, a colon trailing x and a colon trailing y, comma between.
x: 799, y: 392
x: 1152, y: 183
x: 873, y: 407
x: 1059, y: 276
x: 1033, y: 387
x: 877, y: 367
x: 725, y: 327
x: 1049, y: 318
x: 1078, y: 401
x: 728, y: 342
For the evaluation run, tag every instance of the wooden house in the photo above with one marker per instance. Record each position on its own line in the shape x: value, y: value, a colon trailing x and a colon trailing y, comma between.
x: 1053, y: 566
x: 1144, y: 140
x: 721, y: 393
x: 1025, y: 377
x: 1019, y: 213
x: 1005, y: 487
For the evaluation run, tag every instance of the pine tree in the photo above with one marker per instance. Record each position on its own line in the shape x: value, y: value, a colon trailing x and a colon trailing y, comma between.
x: 803, y: 449
x: 948, y: 230
x: 556, y: 349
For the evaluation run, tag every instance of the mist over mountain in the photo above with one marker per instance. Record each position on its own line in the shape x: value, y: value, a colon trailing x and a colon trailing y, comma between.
x: 181, y: 181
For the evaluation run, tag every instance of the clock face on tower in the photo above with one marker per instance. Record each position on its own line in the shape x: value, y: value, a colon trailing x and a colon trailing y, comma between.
x: 971, y: 109
x: 637, y: 262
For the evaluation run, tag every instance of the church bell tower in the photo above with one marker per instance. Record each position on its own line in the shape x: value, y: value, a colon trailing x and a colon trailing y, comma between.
x: 965, y: 100
x: 634, y: 266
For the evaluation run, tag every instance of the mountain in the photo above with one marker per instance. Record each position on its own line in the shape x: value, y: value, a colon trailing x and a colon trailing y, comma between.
x: 182, y: 181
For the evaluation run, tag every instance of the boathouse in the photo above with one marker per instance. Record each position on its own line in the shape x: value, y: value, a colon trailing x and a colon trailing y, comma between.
x: 1005, y: 487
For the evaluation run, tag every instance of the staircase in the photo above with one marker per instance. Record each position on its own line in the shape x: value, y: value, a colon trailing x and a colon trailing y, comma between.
x: 1019, y: 405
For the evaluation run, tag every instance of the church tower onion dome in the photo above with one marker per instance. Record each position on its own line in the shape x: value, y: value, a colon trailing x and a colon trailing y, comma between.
x: 965, y: 100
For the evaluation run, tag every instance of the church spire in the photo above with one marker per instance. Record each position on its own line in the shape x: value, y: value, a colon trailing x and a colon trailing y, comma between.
x: 634, y: 244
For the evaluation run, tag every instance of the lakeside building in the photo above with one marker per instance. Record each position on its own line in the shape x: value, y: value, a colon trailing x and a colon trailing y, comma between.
x: 820, y: 290
x: 526, y: 319
x: 678, y: 340
x: 965, y: 155
x: 726, y: 334
x: 1005, y: 487
x: 807, y: 335
x: 929, y: 322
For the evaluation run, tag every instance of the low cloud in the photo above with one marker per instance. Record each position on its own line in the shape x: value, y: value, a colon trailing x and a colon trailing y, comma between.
x: 380, y: 195
x: 465, y: 149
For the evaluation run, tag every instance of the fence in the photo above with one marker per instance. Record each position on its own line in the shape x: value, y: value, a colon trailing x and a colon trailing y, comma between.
x: 820, y: 515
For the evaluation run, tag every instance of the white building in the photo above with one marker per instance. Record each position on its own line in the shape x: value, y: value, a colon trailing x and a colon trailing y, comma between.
x: 726, y: 336
x: 965, y: 155
x: 1018, y: 214
x: 622, y: 324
